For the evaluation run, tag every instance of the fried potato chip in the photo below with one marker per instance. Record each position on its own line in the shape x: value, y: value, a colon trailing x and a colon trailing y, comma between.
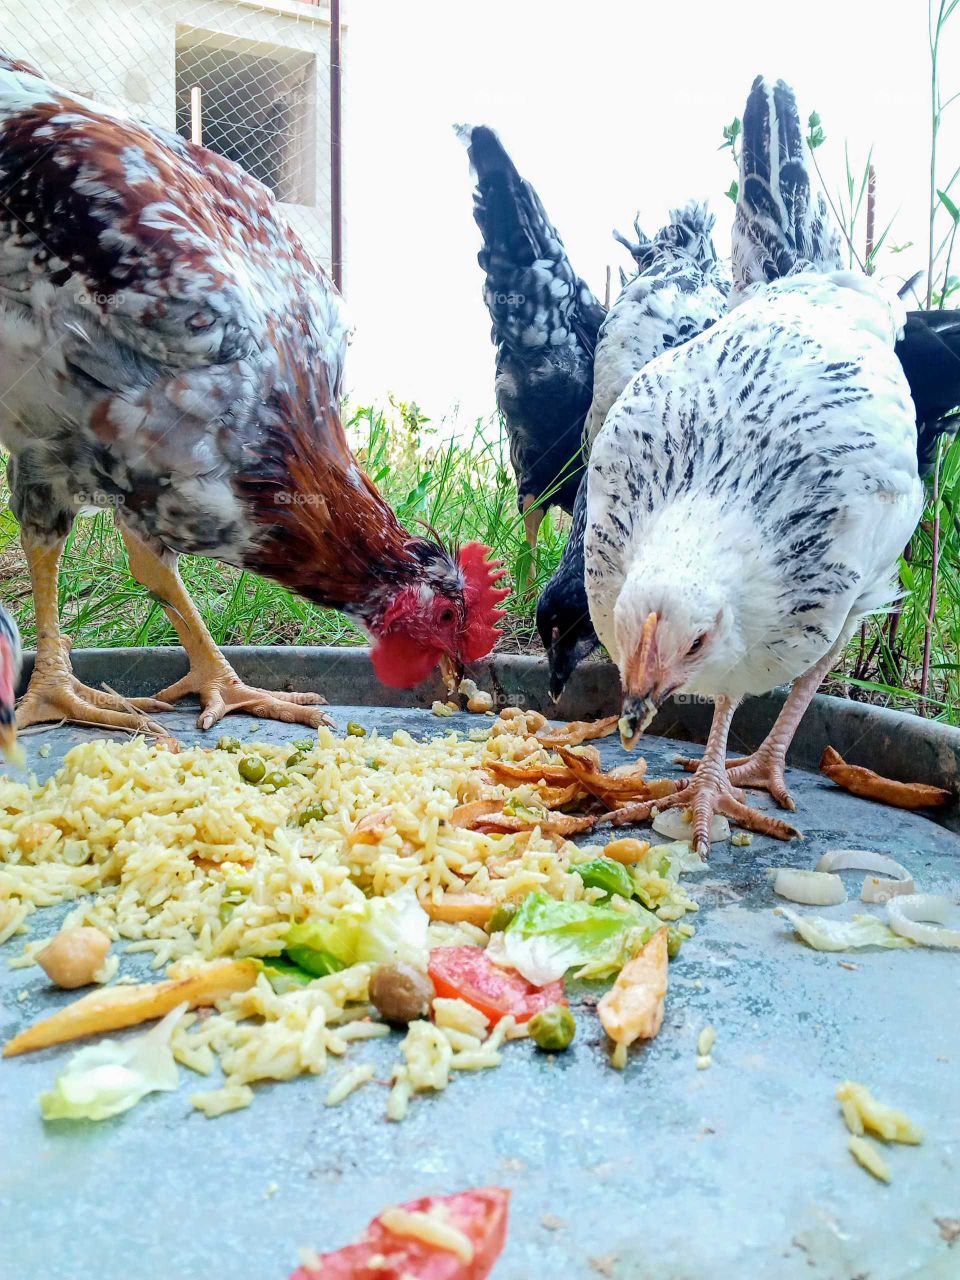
x: 577, y: 731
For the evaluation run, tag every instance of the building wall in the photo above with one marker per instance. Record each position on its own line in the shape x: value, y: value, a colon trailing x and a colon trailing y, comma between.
x: 123, y: 52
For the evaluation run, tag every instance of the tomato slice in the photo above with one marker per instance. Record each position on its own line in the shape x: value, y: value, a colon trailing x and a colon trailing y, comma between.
x: 469, y: 973
x: 481, y: 1214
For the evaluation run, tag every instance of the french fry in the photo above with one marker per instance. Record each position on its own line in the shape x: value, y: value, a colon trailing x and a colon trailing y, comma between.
x: 116, y: 1007
x: 577, y: 731
x: 871, y: 786
x: 459, y: 908
x: 633, y: 1007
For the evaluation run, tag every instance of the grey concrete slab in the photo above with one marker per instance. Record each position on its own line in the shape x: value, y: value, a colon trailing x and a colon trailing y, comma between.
x: 664, y: 1172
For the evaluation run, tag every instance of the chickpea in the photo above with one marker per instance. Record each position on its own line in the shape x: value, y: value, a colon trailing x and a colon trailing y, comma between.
x: 74, y: 956
x: 400, y: 992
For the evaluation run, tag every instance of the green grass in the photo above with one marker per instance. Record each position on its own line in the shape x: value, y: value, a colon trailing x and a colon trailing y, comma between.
x: 464, y: 489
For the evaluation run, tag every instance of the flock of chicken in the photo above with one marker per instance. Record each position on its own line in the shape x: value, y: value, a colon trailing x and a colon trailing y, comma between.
x: 170, y: 350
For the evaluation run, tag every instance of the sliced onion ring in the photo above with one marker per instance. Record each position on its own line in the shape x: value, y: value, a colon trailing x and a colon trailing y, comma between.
x: 909, y: 915
x: 874, y: 888
x: 814, y: 888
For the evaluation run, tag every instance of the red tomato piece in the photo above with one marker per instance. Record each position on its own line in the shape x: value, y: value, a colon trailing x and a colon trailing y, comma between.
x: 468, y: 972
x: 481, y: 1214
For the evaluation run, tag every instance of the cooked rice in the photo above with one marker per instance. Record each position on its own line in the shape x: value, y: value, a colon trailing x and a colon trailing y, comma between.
x: 177, y: 856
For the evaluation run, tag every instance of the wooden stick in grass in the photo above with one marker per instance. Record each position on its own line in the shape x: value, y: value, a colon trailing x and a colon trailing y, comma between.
x: 871, y: 786
x: 115, y: 1007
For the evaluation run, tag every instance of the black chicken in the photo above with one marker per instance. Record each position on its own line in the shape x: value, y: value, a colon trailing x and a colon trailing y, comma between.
x: 545, y: 325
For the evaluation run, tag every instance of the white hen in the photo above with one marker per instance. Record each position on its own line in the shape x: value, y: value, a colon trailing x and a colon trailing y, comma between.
x: 750, y: 492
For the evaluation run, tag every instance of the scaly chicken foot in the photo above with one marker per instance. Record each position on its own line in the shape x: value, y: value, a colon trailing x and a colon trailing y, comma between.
x: 765, y: 768
x: 710, y: 791
x: 54, y: 692
x: 221, y: 691
x: 211, y: 676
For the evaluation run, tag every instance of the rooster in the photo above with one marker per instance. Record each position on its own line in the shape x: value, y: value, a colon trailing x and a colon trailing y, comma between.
x: 679, y: 290
x: 750, y: 492
x: 545, y: 324
x: 170, y: 350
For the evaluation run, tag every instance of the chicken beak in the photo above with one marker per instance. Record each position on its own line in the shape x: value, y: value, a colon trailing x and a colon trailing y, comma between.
x: 640, y: 704
x: 451, y: 671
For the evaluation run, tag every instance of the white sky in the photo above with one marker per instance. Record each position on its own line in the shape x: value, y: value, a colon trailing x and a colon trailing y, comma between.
x: 606, y: 108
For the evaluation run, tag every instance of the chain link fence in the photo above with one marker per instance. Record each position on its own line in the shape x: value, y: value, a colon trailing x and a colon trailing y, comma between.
x: 250, y: 79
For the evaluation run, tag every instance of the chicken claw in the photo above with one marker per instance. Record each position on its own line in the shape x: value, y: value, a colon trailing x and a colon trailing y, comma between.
x: 221, y: 691
x: 55, y: 693
x: 710, y: 792
x: 761, y: 770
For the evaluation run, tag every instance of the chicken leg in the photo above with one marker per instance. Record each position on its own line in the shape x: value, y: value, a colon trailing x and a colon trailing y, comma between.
x: 210, y: 677
x: 710, y: 790
x: 765, y: 767
x: 54, y: 692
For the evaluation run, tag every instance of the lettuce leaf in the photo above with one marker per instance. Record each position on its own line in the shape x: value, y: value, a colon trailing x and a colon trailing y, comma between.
x: 113, y: 1075
x: 379, y: 930
x: 546, y: 938
x: 842, y: 935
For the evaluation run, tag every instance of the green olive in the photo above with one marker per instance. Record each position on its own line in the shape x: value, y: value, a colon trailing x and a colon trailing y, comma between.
x: 298, y: 757
x: 228, y: 744
x: 252, y: 769
x: 501, y: 916
x: 553, y: 1029
x: 312, y: 813
x: 276, y: 778
x: 356, y: 730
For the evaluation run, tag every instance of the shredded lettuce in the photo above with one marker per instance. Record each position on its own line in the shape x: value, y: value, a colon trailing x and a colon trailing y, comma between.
x: 546, y: 938
x: 113, y: 1075
x: 671, y: 861
x: 380, y: 930
x: 842, y: 935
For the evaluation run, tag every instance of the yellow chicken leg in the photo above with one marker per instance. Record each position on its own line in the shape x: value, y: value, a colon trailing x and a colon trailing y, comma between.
x: 210, y: 677
x: 54, y: 692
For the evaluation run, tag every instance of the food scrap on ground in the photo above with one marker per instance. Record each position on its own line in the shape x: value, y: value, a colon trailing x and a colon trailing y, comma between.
x: 633, y: 1008
x: 307, y: 897
x: 871, y: 786
x: 456, y: 1237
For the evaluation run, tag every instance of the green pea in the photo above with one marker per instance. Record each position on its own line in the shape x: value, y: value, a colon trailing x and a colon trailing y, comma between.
x: 313, y: 813
x: 503, y: 913
x: 228, y: 744
x: 553, y: 1029
x: 252, y: 769
x: 304, y: 744
x: 356, y: 730
x: 276, y: 778
x: 298, y: 757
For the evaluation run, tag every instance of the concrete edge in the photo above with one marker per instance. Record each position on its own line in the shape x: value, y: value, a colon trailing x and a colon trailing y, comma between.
x: 899, y: 745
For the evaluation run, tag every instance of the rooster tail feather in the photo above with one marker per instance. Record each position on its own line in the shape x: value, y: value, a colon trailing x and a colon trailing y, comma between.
x: 688, y: 235
x: 780, y: 226
x: 534, y: 296
x: 929, y: 352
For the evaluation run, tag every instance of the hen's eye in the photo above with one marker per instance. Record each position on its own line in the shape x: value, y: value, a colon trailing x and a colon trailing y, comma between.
x: 697, y: 644
x: 446, y: 615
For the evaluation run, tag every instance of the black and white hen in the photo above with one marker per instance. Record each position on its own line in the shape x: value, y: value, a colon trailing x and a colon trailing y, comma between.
x: 679, y: 290
x: 545, y: 324
x: 750, y: 492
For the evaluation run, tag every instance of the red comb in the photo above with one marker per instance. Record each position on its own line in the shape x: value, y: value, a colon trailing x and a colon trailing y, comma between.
x: 482, y: 595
